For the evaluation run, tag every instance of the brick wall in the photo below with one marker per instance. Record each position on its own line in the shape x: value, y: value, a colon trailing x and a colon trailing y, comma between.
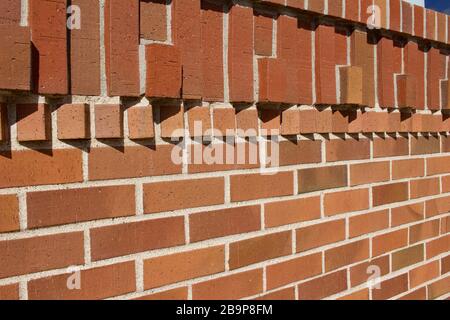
x: 89, y: 188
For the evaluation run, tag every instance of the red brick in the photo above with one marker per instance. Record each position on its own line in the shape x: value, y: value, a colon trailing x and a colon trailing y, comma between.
x: 368, y: 223
x: 362, y: 272
x: 335, y: 8
x: 437, y: 206
x: 382, y: 4
x: 10, y: 12
x: 339, y: 121
x: 407, y: 214
x: 51, y: 208
x: 390, y: 147
x: 30, y: 255
x: 414, y: 67
x: 85, y: 50
x: 9, y: 292
x: 341, y: 150
x: 430, y: 32
x: 199, y: 121
x: 291, y: 211
x: 254, y: 250
x: 182, y: 194
x: 365, y: 173
x: 280, y: 295
x: 366, y: 12
x: 351, y: 85
x: 128, y: 238
x: 164, y: 270
x: 108, y: 121
x: 407, y: 17
x: 424, y: 273
x: 358, y: 295
x: 324, y: 286
x: 418, y: 21
x: 39, y: 167
x: 423, y: 231
x: 419, y: 294
x: 317, y: 6
x: 438, y: 288
x: 293, y: 270
x: 212, y: 51
x: 394, y: 8
x: 240, y: 54
x: 407, y: 257
x: 96, y: 283
x: 298, y: 4
x: 346, y: 254
x: 316, y: 179
x: 225, y: 222
x: 409, y: 168
x: 49, y: 37
x: 73, y: 121
x: 164, y: 71
x: 231, y: 287
x: 173, y: 294
x: 389, y: 241
x: 9, y: 208
x: 438, y: 165
x: 390, y: 288
x: 390, y: 193
x: 424, y: 188
x: 346, y: 201
x: 389, y: 63
x: 15, y: 55
x: 272, y: 80
x: 446, y: 184
x: 290, y: 122
x: 436, y: 64
x: 171, y: 119
x: 407, y: 96
x: 153, y: 20
x: 122, y: 47
x: 319, y: 235
x: 255, y: 186
x: 33, y: 122
x: 445, y: 262
x: 298, y: 152
x: 140, y: 122
x: 362, y: 55
x: 315, y: 121
x: 247, y: 122
x: 438, y: 246
x: 352, y: 10
x: 442, y: 27
x: 263, y: 34
x: 131, y: 162
x: 224, y: 121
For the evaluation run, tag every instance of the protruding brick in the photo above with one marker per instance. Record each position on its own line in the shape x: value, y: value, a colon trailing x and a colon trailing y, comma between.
x: 389, y: 57
x: 10, y: 12
x: 335, y: 8
x: 317, y: 6
x: 140, y: 122
x: 414, y: 67
x: 407, y: 17
x: 352, y: 10
x: 263, y: 34
x: 270, y: 121
x: 315, y: 121
x: 436, y: 64
x: 153, y: 20
x: 108, y: 121
x: 33, y: 122
x: 442, y: 27
x: 73, y: 121
x: 430, y: 31
x: 394, y: 9
x: 171, y: 120
x: 362, y: 55
x: 407, y: 95
x: 290, y: 122
x: 9, y: 209
x: 247, y: 122
x: 351, y: 85
x: 272, y: 80
x: 224, y: 121
x: 419, y: 21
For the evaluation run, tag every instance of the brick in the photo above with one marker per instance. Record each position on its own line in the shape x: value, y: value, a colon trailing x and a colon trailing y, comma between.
x: 437, y: 206
x: 172, y: 195
x: 438, y: 288
x: 240, y: 54
x: 272, y: 80
x: 323, y: 286
x: 73, y: 121
x: 298, y: 152
x: 15, y: 55
x: 423, y: 231
x: 131, y: 162
x: 171, y: 121
x: 298, y: 4
x: 407, y: 94
x: 164, y: 270
x: 445, y: 225
x: 38, y: 167
x: 368, y: 223
x: 341, y: 150
x: 263, y: 34
x: 293, y: 270
x: 280, y: 295
x: 247, y: 122
x: 85, y: 50
x: 303, y: 61
x: 406, y: 257
x: 108, y: 121
x: 315, y: 121
x: 438, y: 165
x: 33, y: 122
x: 57, y: 207
x: 230, y: 287
x: 335, y: 8
x: 391, y: 287
x: 291, y: 211
x: 153, y: 21
x: 424, y: 188
x: 224, y: 121
x: 446, y: 184
x: 316, y: 179
x: 430, y: 31
x: 414, y: 67
x: 255, y: 186
x: 317, y: 6
x: 365, y: 173
x: 346, y: 254
x: 4, y: 126
x: 40, y: 253
x: 442, y: 27
x: 436, y: 64
x: 290, y: 122
x: 358, y: 295
x: 418, y: 21
x: 270, y: 121
x: 212, y: 51
x: 352, y: 10
x: 390, y: 193
x: 382, y: 4
x: 173, y: 294
x: 407, y: 214
x: 9, y: 292
x: 394, y: 9
x: 367, y: 12
x: 224, y: 222
x: 410, y: 168
x: 49, y: 36
x: 339, y: 121
x: 407, y: 17
x: 96, y: 283
x: 199, y: 121
x: 445, y: 262
x: 10, y: 12
x: 362, y: 55
x: 425, y: 273
x: 389, y: 55
x: 140, y: 122
x: 361, y: 273
x: 164, y: 71
x: 319, y: 235
x: 389, y: 242
x: 128, y: 238
x: 9, y: 218
x: 390, y: 147
x: 419, y: 294
x: 351, y: 85
x: 254, y: 250
x: 438, y: 246
x: 346, y: 201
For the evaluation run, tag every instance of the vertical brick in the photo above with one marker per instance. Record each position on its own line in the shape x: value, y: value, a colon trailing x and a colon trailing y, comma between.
x: 108, y: 121
x: 33, y: 122
x: 85, y: 50
x: 436, y: 63
x: 419, y: 21
x: 49, y: 37
x: 263, y: 34
x: 140, y: 122
x: 414, y: 66
x: 240, y: 54
x: 362, y: 55
x: 9, y: 217
x: 153, y: 20
x: 430, y: 32
x: 442, y: 27
x: 407, y: 17
x: 272, y: 80
x: 389, y: 63
x: 351, y: 85
x: 335, y: 8
x: 73, y: 121
x: 122, y: 47
x: 384, y: 10
x: 394, y: 8
x: 352, y: 10
x: 290, y: 122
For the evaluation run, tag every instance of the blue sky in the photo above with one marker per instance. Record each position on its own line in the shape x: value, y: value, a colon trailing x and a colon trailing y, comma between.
x: 439, y: 5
